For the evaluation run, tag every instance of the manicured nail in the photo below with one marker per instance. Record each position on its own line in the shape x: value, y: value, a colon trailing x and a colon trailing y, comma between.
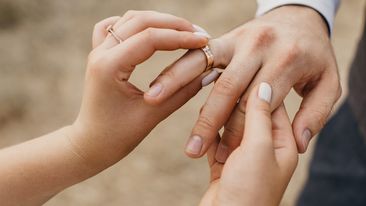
x: 306, y: 136
x: 222, y: 153
x: 212, y: 76
x: 194, y: 145
x: 200, y: 29
x: 198, y: 33
x: 155, y: 90
x: 265, y: 92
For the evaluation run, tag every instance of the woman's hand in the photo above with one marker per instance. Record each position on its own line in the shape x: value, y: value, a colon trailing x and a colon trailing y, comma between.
x: 113, y: 118
x: 258, y: 171
x: 288, y: 47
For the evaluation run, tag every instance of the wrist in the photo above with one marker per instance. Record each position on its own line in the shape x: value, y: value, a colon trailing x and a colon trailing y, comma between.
x: 300, y: 16
x: 94, y: 148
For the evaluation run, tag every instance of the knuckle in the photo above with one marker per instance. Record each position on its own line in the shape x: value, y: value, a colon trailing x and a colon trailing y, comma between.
x: 226, y: 86
x: 264, y: 36
x: 130, y: 14
x: 205, y: 122
x: 149, y: 33
x: 141, y: 19
x: 291, y: 54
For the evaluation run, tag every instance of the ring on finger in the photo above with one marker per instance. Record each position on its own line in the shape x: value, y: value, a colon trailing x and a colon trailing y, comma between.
x: 111, y: 31
x: 209, y: 57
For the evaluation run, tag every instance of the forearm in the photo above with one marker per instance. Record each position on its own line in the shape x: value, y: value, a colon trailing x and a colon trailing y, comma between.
x: 34, y: 171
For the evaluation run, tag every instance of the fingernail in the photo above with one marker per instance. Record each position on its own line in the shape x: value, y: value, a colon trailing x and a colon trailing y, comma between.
x: 306, y: 136
x: 212, y: 76
x: 194, y: 145
x: 265, y: 92
x: 155, y: 90
x: 200, y: 29
x: 222, y: 153
x: 198, y: 33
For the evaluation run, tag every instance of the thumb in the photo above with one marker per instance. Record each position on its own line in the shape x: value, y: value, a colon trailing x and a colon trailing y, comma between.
x: 258, y: 124
x: 315, y: 110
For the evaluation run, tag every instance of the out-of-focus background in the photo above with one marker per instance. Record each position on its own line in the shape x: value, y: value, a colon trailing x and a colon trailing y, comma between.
x: 43, y: 50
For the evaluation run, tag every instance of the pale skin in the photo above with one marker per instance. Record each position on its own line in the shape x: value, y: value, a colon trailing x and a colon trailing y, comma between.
x: 112, y: 122
x: 289, y: 47
x: 258, y: 170
x: 112, y: 119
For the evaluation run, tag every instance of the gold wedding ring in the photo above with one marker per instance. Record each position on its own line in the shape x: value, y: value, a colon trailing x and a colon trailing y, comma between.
x: 209, y: 57
x: 111, y: 31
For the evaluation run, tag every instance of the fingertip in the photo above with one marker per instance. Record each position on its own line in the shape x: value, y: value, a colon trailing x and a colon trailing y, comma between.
x: 265, y: 92
x: 303, y: 136
x: 260, y: 97
x: 194, y: 146
x: 258, y: 116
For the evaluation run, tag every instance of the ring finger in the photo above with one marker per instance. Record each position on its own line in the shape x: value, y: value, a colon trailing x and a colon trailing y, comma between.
x: 185, y: 69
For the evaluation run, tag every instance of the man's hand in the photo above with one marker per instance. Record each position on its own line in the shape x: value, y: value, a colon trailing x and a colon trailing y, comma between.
x: 288, y: 47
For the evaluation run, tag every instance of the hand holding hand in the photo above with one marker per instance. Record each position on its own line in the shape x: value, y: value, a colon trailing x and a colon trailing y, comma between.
x: 288, y: 47
x: 258, y: 171
x: 114, y: 118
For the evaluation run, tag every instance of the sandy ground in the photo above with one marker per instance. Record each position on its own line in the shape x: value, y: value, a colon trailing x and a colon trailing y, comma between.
x: 44, y: 45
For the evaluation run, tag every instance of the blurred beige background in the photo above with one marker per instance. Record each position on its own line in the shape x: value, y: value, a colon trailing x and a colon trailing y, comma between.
x: 44, y: 45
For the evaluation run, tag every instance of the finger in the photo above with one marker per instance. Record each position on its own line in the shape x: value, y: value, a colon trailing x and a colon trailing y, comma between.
x: 233, y: 133
x: 100, y: 30
x: 142, y: 20
x: 222, y: 99
x: 211, y: 77
x: 283, y: 140
x: 160, y: 112
x: 281, y: 84
x: 258, y: 122
x: 279, y: 76
x: 211, y: 152
x: 185, y: 69
x: 130, y: 53
x: 315, y: 108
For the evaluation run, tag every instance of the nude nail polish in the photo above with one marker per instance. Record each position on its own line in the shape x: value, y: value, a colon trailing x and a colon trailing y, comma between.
x: 222, y: 153
x: 201, y: 30
x: 212, y: 76
x: 194, y: 145
x: 306, y: 136
x: 202, y: 34
x: 155, y: 90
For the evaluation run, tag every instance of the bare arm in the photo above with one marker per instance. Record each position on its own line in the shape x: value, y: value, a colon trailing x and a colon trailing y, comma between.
x: 112, y: 119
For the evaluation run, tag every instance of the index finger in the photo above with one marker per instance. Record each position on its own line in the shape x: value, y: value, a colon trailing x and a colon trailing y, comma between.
x: 143, y: 45
x: 222, y: 100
